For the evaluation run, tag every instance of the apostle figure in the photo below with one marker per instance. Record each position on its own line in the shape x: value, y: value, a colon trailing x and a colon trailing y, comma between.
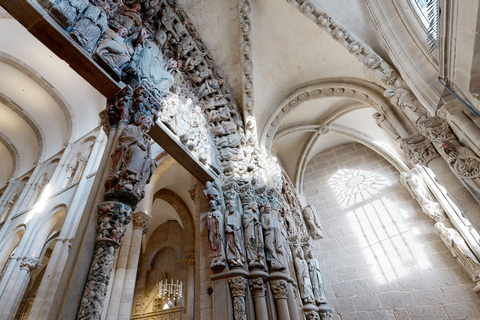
x: 113, y: 51
x: 316, y: 279
x: 132, y: 166
x: 303, y: 276
x: 216, y: 236
x: 253, y: 235
x: 273, y: 239
x: 233, y: 235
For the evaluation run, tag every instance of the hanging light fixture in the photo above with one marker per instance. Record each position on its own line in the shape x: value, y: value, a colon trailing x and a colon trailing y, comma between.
x: 170, y: 292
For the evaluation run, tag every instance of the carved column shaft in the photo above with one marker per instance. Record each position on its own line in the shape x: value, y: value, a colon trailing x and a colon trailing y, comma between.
x: 13, y: 293
x: 113, y: 216
x: 141, y: 226
x: 257, y: 288
x: 280, y: 295
x: 238, y: 287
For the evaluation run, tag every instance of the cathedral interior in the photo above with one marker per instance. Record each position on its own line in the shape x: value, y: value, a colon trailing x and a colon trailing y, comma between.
x: 239, y: 159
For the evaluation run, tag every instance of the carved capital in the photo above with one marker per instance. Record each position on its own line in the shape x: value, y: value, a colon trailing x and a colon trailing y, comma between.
x: 30, y: 264
x: 112, y: 220
x: 418, y: 150
x: 436, y: 129
x: 257, y: 287
x: 279, y: 289
x: 312, y: 315
x: 141, y: 222
x: 238, y: 286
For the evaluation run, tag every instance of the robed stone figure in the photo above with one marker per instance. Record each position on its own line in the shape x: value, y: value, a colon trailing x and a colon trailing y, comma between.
x: 233, y: 235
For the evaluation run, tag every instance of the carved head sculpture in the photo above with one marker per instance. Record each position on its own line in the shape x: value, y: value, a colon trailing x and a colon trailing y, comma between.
x: 213, y: 204
x: 122, y: 32
x: 145, y: 121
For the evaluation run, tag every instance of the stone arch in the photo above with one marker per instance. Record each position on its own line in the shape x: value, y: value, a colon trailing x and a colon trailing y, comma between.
x: 45, y: 85
x: 13, y: 153
x: 30, y: 120
x: 184, y: 213
x: 9, y: 243
x: 355, y: 89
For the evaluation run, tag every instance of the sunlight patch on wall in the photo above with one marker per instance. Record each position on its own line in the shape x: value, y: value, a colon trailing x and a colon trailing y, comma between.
x: 384, y: 235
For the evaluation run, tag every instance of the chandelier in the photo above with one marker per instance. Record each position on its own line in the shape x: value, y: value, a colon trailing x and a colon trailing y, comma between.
x: 170, y: 292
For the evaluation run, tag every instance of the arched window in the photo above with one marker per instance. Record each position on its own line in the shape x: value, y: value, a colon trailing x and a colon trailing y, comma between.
x: 428, y: 12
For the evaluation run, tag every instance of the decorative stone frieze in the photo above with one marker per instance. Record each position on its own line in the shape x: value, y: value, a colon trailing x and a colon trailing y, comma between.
x: 279, y: 289
x: 356, y: 47
x: 257, y: 287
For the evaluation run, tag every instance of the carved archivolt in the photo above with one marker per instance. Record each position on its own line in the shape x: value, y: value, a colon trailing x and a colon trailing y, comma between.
x: 354, y: 89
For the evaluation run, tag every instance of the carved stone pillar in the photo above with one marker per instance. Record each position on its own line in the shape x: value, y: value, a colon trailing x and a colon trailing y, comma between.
x: 238, y: 287
x: 12, y: 296
x: 280, y: 295
x: 141, y: 225
x: 113, y: 217
x: 257, y: 288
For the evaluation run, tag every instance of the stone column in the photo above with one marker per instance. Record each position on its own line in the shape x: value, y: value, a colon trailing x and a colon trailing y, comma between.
x: 190, y: 259
x: 141, y: 224
x: 257, y: 288
x: 238, y: 287
x: 280, y: 295
x: 116, y: 214
x: 119, y: 278
x: 15, y: 289
x: 292, y: 303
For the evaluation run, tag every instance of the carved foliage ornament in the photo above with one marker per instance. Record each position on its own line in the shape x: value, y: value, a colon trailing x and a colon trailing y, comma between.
x: 464, y: 162
x: 418, y: 150
x: 436, y: 129
x: 257, y: 287
x: 29, y: 264
x: 279, y: 289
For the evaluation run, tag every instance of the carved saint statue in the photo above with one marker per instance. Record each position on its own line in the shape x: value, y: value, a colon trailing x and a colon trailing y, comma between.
x: 253, y: 234
x: 273, y: 238
x: 407, y: 102
x: 315, y: 277
x: 417, y: 188
x: 132, y: 166
x: 215, y: 228
x: 314, y: 227
x: 460, y: 250
x: 233, y: 235
x: 303, y: 275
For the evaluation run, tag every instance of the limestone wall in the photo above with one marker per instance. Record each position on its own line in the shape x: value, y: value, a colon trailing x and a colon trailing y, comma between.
x: 382, y: 257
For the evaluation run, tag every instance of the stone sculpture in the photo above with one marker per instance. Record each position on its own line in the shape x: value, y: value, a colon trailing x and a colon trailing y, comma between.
x: 417, y: 188
x: 132, y: 166
x: 460, y: 250
x: 313, y: 223
x: 233, y: 235
x: 215, y: 220
x: 113, y: 52
x: 316, y: 278
x: 253, y: 235
x: 303, y: 275
x: 273, y: 243
x: 465, y: 164
x: 418, y: 149
x: 238, y: 288
x: 65, y: 12
x: 408, y: 104
x: 384, y: 124
x: 90, y: 27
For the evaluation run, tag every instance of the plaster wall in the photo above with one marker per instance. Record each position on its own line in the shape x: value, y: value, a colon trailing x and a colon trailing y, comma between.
x: 382, y: 257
